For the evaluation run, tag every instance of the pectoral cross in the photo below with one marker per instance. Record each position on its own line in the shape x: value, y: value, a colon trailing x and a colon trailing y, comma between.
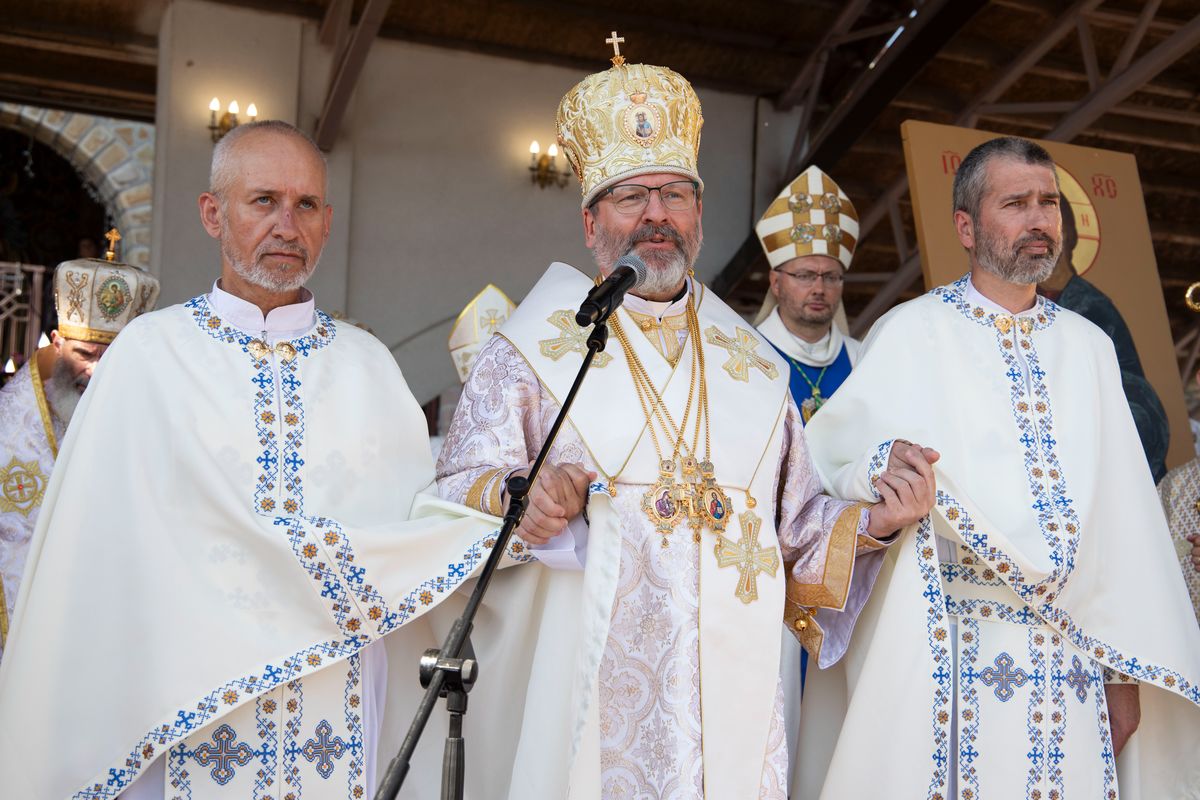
x: 113, y: 237
x: 748, y: 557
x: 616, y: 42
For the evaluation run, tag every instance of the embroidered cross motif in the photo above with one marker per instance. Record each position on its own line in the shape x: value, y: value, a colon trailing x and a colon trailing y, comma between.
x: 320, y: 749
x: 572, y: 339
x: 490, y: 321
x: 228, y: 752
x: 748, y: 557
x: 1079, y: 680
x: 23, y: 485
x: 741, y: 353
x: 1003, y: 677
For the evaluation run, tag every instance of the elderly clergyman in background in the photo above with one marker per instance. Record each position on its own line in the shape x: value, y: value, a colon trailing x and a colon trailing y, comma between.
x: 95, y: 299
x: 229, y: 538
x: 1018, y: 633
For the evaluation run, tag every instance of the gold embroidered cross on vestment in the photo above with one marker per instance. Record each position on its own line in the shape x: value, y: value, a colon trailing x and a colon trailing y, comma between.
x: 741, y: 347
x: 573, y: 339
x: 747, y: 557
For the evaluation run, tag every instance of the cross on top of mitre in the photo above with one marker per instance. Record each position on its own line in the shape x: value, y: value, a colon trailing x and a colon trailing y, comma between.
x: 616, y: 42
x: 113, y: 237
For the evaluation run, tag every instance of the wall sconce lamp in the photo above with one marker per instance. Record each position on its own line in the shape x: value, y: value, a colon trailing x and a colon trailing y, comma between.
x: 218, y: 127
x: 543, y: 168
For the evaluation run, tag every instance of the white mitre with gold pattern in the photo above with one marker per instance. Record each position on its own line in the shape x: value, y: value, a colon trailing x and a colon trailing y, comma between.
x: 811, y: 216
x: 630, y: 120
x: 96, y: 298
x: 482, y: 317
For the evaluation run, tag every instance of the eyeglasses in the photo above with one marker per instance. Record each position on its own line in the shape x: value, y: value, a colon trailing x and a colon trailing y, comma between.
x: 810, y: 278
x: 632, y: 198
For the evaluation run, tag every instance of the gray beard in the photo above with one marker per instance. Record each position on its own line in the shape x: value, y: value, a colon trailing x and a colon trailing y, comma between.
x: 257, y: 274
x: 1012, y: 266
x: 61, y: 393
x: 664, y: 271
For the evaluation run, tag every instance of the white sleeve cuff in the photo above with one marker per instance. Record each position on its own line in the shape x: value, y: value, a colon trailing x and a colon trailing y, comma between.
x: 566, y: 551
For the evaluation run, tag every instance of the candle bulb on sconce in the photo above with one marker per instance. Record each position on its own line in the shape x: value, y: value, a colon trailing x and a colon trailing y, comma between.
x: 229, y: 120
x: 543, y: 167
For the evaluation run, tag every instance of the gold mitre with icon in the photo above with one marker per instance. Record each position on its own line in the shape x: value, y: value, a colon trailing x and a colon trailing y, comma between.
x: 630, y: 120
x: 482, y: 317
x: 96, y: 297
x: 811, y: 216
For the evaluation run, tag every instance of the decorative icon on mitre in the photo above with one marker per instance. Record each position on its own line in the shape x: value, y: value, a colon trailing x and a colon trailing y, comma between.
x: 96, y: 298
x: 482, y: 317
x: 811, y: 216
x: 630, y: 120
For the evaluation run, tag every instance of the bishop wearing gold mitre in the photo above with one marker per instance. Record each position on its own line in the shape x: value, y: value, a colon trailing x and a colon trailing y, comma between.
x: 680, y: 501
x: 95, y: 299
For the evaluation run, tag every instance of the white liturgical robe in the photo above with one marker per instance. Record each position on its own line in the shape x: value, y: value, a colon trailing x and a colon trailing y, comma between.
x: 677, y: 670
x: 234, y: 526
x: 1044, y: 570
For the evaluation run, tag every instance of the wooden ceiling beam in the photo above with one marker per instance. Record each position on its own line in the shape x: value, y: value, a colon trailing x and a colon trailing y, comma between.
x: 347, y: 67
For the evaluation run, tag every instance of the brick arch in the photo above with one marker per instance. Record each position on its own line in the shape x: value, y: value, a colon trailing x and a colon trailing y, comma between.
x: 116, y: 157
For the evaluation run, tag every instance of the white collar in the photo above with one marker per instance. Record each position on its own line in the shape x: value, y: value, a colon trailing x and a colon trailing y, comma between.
x: 284, y: 322
x: 977, y: 298
x: 659, y: 308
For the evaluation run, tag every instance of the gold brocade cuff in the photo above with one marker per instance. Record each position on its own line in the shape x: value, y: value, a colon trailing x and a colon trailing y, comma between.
x: 831, y: 590
x: 479, y: 491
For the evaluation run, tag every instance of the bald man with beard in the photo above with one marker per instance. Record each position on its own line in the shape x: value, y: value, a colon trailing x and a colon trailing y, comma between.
x: 234, y: 532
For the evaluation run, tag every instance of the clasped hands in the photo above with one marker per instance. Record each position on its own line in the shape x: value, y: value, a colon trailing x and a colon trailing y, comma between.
x: 906, y: 489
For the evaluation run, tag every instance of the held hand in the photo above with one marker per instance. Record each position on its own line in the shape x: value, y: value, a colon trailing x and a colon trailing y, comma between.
x: 907, y: 489
x: 1195, y: 540
x: 557, y: 496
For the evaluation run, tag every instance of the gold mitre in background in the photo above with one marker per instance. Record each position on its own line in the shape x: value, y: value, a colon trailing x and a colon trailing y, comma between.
x: 482, y: 317
x: 633, y: 119
x: 811, y: 216
x: 96, y: 298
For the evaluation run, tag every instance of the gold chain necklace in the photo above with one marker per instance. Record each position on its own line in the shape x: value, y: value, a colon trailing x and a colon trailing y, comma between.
x: 698, y: 499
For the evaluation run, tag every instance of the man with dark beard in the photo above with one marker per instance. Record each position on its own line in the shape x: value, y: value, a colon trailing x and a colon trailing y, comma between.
x: 1003, y: 654
x: 95, y: 299
x: 808, y: 234
x: 682, y: 487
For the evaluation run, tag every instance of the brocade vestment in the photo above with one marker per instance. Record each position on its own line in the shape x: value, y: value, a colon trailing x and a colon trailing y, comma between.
x: 29, y: 437
x: 1179, y: 492
x: 684, y: 682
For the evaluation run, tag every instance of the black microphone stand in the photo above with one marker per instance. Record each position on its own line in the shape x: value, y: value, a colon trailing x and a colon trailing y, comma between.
x: 446, y: 672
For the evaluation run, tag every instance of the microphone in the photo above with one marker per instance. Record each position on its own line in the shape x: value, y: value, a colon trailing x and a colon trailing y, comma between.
x: 601, y: 301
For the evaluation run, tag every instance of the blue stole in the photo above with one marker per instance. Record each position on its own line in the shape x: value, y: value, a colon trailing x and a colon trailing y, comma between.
x: 835, y: 375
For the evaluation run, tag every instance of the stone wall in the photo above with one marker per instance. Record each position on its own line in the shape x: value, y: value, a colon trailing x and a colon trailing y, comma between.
x: 116, y: 157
